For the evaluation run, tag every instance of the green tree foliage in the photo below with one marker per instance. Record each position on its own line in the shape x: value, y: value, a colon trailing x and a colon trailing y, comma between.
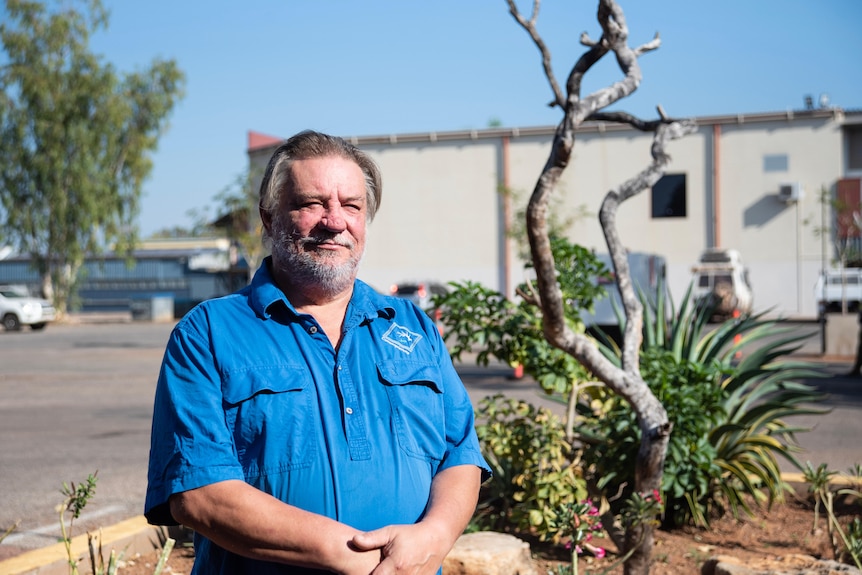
x: 201, y: 226
x: 75, y: 139
x: 240, y: 217
x: 479, y: 319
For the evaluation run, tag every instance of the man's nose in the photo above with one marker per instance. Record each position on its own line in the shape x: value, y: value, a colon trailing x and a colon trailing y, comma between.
x: 333, y: 219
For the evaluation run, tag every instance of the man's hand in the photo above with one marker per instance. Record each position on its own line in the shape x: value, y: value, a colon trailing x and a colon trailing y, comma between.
x: 420, y: 549
x: 406, y: 549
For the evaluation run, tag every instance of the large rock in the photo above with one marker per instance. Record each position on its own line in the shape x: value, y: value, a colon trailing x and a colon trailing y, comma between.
x: 489, y: 553
x: 786, y: 565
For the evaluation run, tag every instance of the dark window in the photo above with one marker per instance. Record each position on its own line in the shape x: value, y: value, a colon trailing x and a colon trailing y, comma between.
x: 668, y: 197
x: 723, y: 279
x: 854, y: 148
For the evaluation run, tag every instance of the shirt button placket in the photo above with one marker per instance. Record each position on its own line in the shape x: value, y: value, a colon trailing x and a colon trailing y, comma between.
x: 357, y: 439
x: 348, y: 410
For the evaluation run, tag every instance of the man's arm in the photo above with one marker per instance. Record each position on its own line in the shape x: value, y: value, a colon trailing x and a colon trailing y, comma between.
x: 420, y: 549
x: 251, y: 523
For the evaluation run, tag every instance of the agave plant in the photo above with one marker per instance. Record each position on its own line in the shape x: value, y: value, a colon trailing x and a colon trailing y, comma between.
x: 745, y: 431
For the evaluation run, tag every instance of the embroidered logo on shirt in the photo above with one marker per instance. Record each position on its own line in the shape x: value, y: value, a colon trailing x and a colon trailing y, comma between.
x: 401, y: 337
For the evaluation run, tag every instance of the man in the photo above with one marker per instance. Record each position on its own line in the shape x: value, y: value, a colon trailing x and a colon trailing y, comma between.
x: 307, y: 423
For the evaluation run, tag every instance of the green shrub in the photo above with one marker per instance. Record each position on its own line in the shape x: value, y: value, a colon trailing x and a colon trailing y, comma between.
x: 728, y: 413
x: 534, y: 473
x: 477, y: 318
x: 693, y: 400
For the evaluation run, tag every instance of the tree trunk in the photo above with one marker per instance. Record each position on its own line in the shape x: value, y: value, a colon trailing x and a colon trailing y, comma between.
x: 626, y: 379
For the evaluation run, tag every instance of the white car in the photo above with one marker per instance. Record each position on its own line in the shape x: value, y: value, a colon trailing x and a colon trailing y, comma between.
x: 18, y: 307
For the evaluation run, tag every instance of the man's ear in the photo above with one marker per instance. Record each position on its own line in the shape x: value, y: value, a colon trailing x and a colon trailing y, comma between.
x: 265, y: 218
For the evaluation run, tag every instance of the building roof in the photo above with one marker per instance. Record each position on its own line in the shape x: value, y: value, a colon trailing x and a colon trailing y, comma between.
x: 850, y: 116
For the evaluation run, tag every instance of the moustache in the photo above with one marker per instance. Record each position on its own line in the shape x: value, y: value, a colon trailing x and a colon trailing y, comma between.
x: 314, y: 241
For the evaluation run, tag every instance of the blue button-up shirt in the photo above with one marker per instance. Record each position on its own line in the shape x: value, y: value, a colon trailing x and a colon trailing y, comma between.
x: 250, y: 389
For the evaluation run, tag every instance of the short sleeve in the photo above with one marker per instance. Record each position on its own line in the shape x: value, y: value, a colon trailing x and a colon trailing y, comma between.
x: 461, y: 440
x: 191, y: 445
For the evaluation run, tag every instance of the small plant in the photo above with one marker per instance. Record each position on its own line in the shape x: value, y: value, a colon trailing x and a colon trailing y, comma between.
x: 851, y: 537
x: 575, y: 525
x: 77, y: 497
x: 643, y: 508
x: 854, y: 539
x: 10, y: 530
x: 818, y: 485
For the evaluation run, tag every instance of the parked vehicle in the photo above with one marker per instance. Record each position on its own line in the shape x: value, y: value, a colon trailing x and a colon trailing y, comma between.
x: 648, y: 273
x: 19, y: 308
x: 419, y: 293
x: 721, y: 281
x: 839, y: 290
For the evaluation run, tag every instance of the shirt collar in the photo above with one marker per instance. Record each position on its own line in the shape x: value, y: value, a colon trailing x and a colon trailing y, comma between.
x: 365, y: 303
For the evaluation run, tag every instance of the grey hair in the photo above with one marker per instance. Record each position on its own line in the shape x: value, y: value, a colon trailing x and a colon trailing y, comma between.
x: 311, y: 144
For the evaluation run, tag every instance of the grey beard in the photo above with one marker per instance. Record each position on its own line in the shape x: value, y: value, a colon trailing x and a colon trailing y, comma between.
x: 310, y: 269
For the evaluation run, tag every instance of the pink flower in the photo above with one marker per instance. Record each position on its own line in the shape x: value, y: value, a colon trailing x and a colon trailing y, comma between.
x: 597, y: 551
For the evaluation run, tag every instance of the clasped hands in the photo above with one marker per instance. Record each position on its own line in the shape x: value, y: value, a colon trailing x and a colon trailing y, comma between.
x: 403, y: 550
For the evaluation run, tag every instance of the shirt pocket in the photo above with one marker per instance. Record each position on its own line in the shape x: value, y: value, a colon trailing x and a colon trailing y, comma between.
x: 269, y: 409
x: 416, y: 396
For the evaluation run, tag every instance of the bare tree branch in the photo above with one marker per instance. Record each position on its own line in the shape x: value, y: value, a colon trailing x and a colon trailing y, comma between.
x: 587, y: 41
x: 663, y: 133
x: 633, y: 121
x: 649, y: 46
x: 531, y: 296
x: 530, y: 27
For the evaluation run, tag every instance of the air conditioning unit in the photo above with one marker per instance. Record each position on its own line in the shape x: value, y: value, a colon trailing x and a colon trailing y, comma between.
x: 790, y: 193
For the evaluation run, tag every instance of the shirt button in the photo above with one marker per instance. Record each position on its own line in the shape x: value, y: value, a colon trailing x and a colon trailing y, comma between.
x: 349, y: 411
x: 312, y: 329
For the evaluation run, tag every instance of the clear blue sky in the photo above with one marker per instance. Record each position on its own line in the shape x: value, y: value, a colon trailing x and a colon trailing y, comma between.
x: 367, y: 67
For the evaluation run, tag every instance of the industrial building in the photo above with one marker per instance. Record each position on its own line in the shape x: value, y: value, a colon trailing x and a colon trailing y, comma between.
x: 747, y: 182
x: 179, y: 273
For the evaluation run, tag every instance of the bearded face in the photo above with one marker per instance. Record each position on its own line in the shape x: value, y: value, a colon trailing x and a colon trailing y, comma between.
x: 318, y: 231
x: 309, y: 260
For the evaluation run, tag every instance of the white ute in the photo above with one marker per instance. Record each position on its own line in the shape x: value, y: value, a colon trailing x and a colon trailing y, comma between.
x: 839, y: 290
x: 720, y: 278
x: 18, y: 308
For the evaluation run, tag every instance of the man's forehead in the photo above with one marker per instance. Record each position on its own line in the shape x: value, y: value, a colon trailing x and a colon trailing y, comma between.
x: 310, y: 178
